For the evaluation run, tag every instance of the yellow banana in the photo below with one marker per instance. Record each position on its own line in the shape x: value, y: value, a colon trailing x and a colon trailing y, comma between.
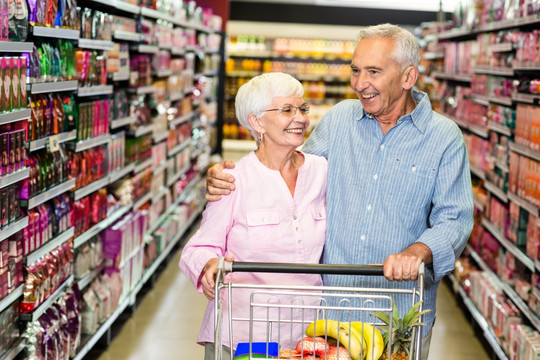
x: 341, y: 331
x: 373, y: 339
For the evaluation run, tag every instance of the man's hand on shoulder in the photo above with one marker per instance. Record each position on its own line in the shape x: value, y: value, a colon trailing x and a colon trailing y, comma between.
x: 218, y: 182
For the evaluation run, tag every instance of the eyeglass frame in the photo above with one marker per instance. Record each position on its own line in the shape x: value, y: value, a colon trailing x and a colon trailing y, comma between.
x: 295, y: 107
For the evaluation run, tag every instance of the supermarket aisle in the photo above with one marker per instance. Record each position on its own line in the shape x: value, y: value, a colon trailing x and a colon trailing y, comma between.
x: 166, y: 323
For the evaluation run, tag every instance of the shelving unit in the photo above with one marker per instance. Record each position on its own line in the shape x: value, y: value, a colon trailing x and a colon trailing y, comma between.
x: 482, y: 89
x: 69, y: 140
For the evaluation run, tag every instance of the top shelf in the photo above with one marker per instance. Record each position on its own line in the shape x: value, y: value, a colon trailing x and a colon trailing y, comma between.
x: 16, y: 47
x: 500, y: 25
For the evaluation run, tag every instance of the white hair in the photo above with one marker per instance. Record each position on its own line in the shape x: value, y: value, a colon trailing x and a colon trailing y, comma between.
x: 257, y: 94
x: 407, y: 51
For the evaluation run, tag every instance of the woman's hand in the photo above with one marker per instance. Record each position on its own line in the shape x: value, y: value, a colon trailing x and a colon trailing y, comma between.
x: 208, y: 279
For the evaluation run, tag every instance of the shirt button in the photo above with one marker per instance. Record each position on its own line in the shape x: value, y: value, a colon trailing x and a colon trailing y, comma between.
x: 363, y: 237
x: 297, y: 228
x: 299, y: 241
x: 294, y: 217
x: 375, y: 177
x: 369, y: 207
x: 382, y: 146
x: 414, y: 168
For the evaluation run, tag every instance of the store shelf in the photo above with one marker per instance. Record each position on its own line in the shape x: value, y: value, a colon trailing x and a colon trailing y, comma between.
x: 501, y: 47
x: 11, y: 297
x: 52, y: 32
x: 89, y: 277
x: 142, y: 200
x: 158, y: 15
x: 143, y: 165
x: 175, y: 177
x: 115, y: 124
x: 524, y: 204
x: 182, y: 119
x: 495, y: 190
x: 176, y: 96
x: 146, y: 49
x: 51, y: 193
x: 121, y: 76
x: 57, y: 86
x: 479, y: 205
x: 159, y: 168
x: 92, y: 340
x: 142, y: 130
x: 160, y: 136
x: 96, y: 44
x: 126, y: 35
x: 16, y: 115
x: 480, y: 99
x: 89, y: 143
x: 501, y: 129
x: 453, y: 77
x: 479, y: 130
x: 178, y: 148
x: 119, y: 5
x: 15, y: 350
x: 16, y: 47
x: 13, y: 228
x: 524, y: 150
x: 36, y: 314
x: 493, y: 70
x: 163, y: 191
x: 90, y: 188
x: 15, y: 177
x: 118, y: 174
x: 141, y: 90
x: 163, y: 73
x: 526, y: 66
x: 49, y: 246
x: 480, y: 320
x: 177, y: 51
x: 503, y: 100
x: 60, y: 138
x: 526, y: 98
x: 511, y: 293
x: 508, y: 245
x: 95, y: 90
x: 102, y: 225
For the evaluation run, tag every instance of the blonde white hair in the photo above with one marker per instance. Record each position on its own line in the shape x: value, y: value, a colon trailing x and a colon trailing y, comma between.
x: 257, y: 94
x: 406, y: 52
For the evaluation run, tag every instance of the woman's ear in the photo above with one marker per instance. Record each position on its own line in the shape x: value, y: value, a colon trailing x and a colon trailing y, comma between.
x: 411, y: 76
x: 255, y: 123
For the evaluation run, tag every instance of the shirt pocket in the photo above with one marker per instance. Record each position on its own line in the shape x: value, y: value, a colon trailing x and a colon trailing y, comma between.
x: 411, y: 183
x: 318, y: 213
x: 264, y: 233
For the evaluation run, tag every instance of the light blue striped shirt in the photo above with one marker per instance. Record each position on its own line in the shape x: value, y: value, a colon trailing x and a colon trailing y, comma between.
x: 386, y: 192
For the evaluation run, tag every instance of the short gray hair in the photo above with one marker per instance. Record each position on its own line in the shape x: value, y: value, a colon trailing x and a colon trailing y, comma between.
x: 407, y: 51
x: 257, y: 94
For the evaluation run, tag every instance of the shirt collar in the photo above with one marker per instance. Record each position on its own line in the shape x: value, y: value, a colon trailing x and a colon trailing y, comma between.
x: 419, y: 116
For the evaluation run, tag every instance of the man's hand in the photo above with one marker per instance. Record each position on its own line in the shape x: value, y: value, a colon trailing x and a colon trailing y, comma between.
x: 219, y: 183
x: 208, y: 278
x: 404, y: 266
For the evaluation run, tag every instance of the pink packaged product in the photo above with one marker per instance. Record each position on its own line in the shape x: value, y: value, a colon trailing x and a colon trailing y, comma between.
x: 4, y: 19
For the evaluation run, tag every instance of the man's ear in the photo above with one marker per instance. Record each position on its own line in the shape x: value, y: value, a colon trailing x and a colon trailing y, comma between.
x: 410, y: 77
x: 255, y: 123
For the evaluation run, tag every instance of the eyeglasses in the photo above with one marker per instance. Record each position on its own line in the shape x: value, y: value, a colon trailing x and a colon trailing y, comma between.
x: 291, y: 109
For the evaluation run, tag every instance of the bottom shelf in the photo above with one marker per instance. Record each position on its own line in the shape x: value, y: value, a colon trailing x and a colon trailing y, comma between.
x: 479, y: 319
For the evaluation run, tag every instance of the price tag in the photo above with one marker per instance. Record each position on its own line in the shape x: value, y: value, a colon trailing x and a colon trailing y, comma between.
x: 53, y: 144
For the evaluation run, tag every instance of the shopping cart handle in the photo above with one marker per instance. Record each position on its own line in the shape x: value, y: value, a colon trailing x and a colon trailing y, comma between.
x: 374, y: 270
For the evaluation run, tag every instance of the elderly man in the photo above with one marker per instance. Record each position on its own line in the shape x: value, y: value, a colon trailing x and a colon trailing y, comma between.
x: 398, y: 189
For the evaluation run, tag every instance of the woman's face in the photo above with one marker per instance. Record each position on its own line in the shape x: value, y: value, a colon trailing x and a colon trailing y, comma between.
x: 285, y: 122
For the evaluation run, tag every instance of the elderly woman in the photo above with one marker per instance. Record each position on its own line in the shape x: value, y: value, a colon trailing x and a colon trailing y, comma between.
x: 276, y: 214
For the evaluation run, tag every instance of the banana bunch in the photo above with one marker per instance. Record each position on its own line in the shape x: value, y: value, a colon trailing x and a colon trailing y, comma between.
x: 362, y: 340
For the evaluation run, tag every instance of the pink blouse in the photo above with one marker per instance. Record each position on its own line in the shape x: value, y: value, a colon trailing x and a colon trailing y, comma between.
x: 261, y: 222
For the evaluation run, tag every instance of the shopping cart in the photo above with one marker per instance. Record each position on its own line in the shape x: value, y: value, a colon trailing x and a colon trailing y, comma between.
x: 279, y: 316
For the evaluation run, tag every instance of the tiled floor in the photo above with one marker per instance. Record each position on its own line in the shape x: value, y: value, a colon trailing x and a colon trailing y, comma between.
x: 166, y: 322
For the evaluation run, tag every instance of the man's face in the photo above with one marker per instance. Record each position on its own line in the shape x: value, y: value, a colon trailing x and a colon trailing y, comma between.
x: 377, y: 78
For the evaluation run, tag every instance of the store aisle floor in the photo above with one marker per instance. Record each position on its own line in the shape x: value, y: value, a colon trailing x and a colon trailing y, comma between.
x: 166, y: 322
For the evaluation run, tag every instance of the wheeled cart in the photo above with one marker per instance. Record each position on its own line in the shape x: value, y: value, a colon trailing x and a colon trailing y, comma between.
x: 309, y: 322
